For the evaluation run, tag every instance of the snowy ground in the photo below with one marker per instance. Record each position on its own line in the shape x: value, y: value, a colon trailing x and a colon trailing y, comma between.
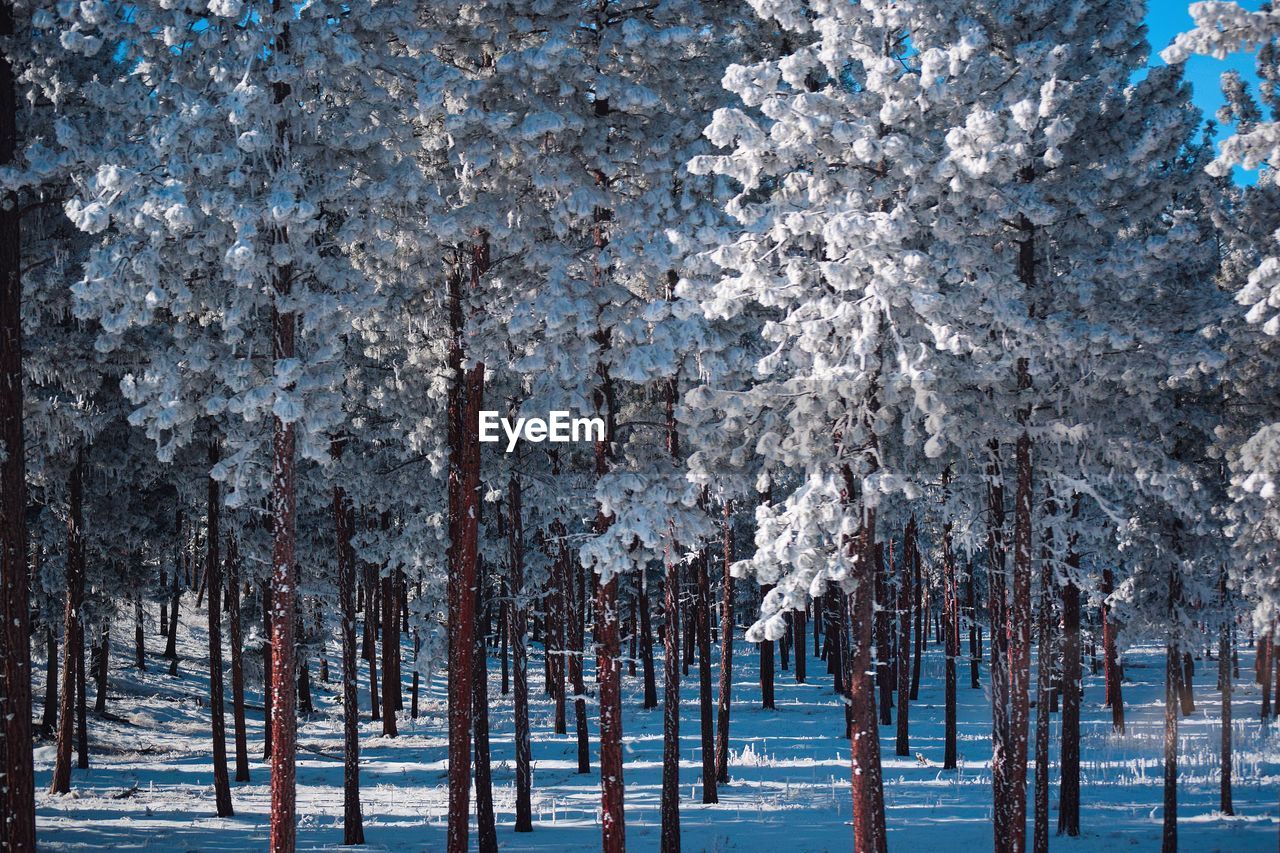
x: 790, y: 787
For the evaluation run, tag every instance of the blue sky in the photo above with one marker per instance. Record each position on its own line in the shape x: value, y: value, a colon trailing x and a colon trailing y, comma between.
x: 1167, y: 18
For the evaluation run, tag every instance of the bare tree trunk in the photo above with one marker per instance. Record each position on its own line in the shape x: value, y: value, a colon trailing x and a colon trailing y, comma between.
x: 883, y: 629
x: 139, y: 636
x: 390, y: 642
x: 905, y: 594
x: 917, y: 651
x: 869, y: 834
x: 1224, y: 684
x: 577, y: 650
x: 344, y: 527
x: 49, y: 721
x: 175, y: 595
x: 975, y: 630
x: 372, y: 615
x: 801, y: 647
x: 284, y: 717
x: 646, y: 642
x: 18, y: 828
x: 101, y: 669
x: 1069, y: 790
x: 766, y: 664
x: 951, y: 645
x: 82, y: 723
x: 671, y: 710
x: 1001, y: 816
x: 213, y: 577
x: 466, y: 393
x: 709, y: 793
x: 486, y: 830
x: 1187, y: 682
x: 237, y: 660
x: 725, y: 698
x: 1020, y: 617
x: 266, y: 670
x: 519, y: 659
x: 71, y: 627
x: 1111, y: 661
x: 1172, y: 676
x: 1044, y: 688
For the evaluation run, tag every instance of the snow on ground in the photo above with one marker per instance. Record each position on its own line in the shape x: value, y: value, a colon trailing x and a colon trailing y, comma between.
x: 790, y: 786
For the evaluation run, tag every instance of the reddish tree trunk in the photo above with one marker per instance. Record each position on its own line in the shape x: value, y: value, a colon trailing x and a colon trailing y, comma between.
x: 372, y: 615
x: 82, y: 724
x: 284, y: 601
x: 49, y: 721
x: 71, y: 627
x: 486, y: 831
x: 903, y: 746
x: 237, y: 661
x: 266, y: 670
x: 1111, y: 660
x: 766, y: 664
x: 725, y: 698
x: 883, y: 629
x: 917, y: 651
x: 869, y: 834
x: 1044, y: 689
x: 344, y: 526
x: 1020, y: 619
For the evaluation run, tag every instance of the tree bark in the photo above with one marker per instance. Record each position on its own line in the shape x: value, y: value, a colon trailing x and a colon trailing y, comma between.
x: 49, y: 721
x: 725, y: 697
x: 284, y: 718
x: 390, y: 623
x: 1044, y: 689
x: 709, y: 793
x: 883, y: 629
x: 1172, y: 676
x: 918, y: 588
x: 519, y: 659
x: 101, y: 669
x: 18, y: 828
x: 1069, y: 789
x: 486, y: 830
x: 71, y: 627
x: 1111, y: 660
x: 646, y: 643
x: 1224, y: 684
x: 344, y: 523
x: 996, y: 607
x: 766, y: 665
x: 139, y: 636
x: 905, y: 594
x: 869, y: 834
x: 1020, y: 619
x: 237, y: 661
x: 213, y: 577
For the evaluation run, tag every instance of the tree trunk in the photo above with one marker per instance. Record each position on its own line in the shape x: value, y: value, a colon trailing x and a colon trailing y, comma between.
x: 49, y: 721
x: 372, y: 616
x: 996, y: 607
x: 1188, y: 680
x: 646, y: 643
x: 466, y: 391
x: 725, y: 697
x: 237, y: 661
x: 905, y: 594
x: 670, y: 806
x: 486, y: 830
x: 798, y: 642
x: 1044, y: 689
x: 266, y: 671
x: 918, y: 589
x: 975, y: 630
x: 951, y: 644
x: 577, y: 650
x: 213, y: 577
x: 1111, y: 661
x: 766, y: 664
x: 71, y: 626
x: 869, y: 834
x: 284, y: 717
x: 883, y: 628
x: 344, y: 522
x: 175, y: 595
x: 101, y: 670
x: 519, y: 658
x: 1224, y: 677
x: 709, y: 793
x: 82, y: 723
x: 1020, y: 619
x: 18, y: 829
x: 1069, y: 789
x: 139, y: 636
x: 1172, y: 677
x: 390, y: 623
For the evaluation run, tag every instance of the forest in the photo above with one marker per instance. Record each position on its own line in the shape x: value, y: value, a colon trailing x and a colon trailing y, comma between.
x: 552, y: 424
